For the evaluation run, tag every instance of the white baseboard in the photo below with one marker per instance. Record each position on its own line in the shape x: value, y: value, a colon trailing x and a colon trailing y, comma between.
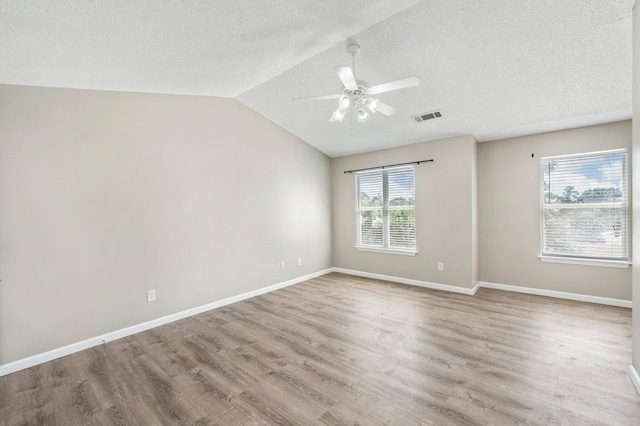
x: 426, y: 284
x: 482, y: 284
x: 558, y: 294
x: 31, y: 361
x: 94, y: 341
x: 635, y: 379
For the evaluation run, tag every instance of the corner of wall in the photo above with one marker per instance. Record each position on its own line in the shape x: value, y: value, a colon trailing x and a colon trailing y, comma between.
x: 635, y: 150
x: 474, y: 214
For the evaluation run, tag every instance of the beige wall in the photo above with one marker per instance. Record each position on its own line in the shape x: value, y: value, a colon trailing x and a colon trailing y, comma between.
x: 636, y: 189
x: 509, y: 212
x: 445, y: 227
x: 106, y: 195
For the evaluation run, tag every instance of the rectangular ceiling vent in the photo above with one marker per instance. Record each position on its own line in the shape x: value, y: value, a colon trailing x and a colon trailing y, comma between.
x: 427, y: 116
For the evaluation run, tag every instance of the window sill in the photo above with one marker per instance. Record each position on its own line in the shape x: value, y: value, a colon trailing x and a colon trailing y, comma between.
x: 387, y: 250
x: 587, y: 262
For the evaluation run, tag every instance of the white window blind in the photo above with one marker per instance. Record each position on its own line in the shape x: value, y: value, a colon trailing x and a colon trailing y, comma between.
x: 385, y: 207
x: 584, y: 206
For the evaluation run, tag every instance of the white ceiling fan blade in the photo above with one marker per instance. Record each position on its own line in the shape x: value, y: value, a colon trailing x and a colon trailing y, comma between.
x: 315, y: 98
x: 385, y: 109
x: 346, y: 76
x: 393, y: 85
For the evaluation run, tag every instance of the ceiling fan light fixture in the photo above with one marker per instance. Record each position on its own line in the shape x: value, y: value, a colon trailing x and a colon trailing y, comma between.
x: 345, y: 102
x: 362, y: 115
x: 371, y: 104
x: 340, y: 113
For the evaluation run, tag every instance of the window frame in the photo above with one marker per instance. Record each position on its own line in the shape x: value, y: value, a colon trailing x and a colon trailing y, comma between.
x: 386, y: 248
x: 626, y: 194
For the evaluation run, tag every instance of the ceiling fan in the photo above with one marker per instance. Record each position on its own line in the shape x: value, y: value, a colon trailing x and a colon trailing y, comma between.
x: 357, y: 96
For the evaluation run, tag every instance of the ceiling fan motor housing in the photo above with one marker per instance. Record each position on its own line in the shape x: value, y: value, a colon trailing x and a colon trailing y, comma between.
x: 360, y: 91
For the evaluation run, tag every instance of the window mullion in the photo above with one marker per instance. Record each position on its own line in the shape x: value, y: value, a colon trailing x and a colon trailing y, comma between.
x: 385, y: 209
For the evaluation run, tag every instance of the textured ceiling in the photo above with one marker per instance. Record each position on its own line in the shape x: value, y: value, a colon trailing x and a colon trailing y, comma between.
x: 199, y: 47
x: 496, y: 68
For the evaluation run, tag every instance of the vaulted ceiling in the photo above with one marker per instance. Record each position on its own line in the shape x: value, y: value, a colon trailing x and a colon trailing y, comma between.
x: 495, y: 68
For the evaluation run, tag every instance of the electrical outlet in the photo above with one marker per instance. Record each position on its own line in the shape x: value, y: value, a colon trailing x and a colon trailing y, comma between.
x: 281, y: 265
x: 151, y: 296
x: 440, y: 266
x: 299, y: 262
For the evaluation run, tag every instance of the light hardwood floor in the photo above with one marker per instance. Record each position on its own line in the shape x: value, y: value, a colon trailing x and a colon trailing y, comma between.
x: 340, y: 350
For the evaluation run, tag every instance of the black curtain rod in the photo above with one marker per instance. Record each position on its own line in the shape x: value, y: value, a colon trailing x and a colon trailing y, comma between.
x: 389, y: 165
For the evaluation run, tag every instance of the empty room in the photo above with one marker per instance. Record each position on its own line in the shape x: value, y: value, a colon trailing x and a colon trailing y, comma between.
x: 319, y: 213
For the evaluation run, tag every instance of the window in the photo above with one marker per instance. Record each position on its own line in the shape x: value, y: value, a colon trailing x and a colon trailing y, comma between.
x: 385, y: 205
x: 584, y: 206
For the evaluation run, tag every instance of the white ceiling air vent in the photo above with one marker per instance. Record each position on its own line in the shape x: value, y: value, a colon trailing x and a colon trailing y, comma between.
x: 427, y: 116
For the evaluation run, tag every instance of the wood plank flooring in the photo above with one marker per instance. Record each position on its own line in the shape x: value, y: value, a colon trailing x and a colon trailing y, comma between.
x: 344, y: 350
